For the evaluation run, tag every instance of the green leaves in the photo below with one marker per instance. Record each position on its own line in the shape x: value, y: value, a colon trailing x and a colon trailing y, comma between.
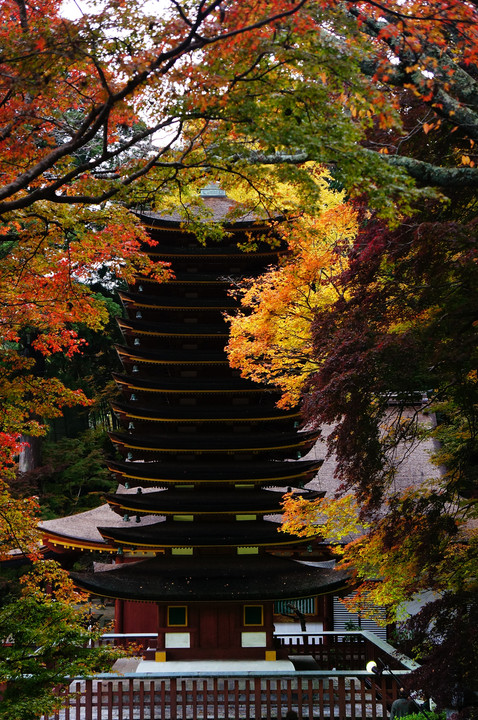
x: 43, y: 643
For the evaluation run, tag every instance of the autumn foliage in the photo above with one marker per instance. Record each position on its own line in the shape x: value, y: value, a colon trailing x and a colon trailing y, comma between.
x: 270, y: 338
x: 123, y: 107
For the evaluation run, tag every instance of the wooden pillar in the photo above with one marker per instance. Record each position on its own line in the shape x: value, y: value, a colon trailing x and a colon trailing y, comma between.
x: 119, y: 616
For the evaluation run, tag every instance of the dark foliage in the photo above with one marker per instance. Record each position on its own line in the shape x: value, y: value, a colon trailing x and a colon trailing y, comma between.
x: 404, y: 328
x: 444, y: 638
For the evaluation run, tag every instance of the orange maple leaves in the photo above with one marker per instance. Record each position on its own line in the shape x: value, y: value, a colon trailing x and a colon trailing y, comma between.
x: 270, y: 339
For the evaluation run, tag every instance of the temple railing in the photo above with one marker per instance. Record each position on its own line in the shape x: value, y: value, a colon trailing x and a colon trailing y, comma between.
x: 354, y: 693
x: 331, y: 650
x: 226, y: 696
x: 345, y: 650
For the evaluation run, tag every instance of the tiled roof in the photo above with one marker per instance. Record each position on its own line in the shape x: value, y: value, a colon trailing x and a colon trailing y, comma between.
x: 209, y: 578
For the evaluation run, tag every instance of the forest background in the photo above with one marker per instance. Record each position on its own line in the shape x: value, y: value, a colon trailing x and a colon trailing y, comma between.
x: 355, y: 120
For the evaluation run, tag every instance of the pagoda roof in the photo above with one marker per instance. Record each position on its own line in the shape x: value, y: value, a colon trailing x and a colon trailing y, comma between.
x: 172, y: 357
x: 172, y: 303
x: 219, y: 209
x: 212, y: 251
x: 81, y: 530
x: 276, y: 473
x: 178, y: 329
x: 212, y: 578
x: 183, y: 278
x: 192, y: 385
x: 209, y: 413
x: 238, y: 533
x: 217, y: 501
x: 215, y: 442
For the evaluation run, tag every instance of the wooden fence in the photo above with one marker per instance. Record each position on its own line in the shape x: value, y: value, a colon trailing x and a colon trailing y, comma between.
x: 240, y: 696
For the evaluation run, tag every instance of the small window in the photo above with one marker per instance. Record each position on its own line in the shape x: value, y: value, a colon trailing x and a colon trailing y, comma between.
x: 247, y: 551
x: 253, y: 615
x: 182, y: 551
x: 307, y: 606
x: 177, y: 616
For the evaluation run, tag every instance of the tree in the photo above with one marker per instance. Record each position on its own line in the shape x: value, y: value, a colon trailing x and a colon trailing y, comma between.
x: 44, y: 642
x: 306, y: 82
x: 330, y: 86
x: 351, y: 85
x: 44, y: 635
x: 310, y: 80
x: 397, y: 332
x: 71, y: 86
x: 270, y: 338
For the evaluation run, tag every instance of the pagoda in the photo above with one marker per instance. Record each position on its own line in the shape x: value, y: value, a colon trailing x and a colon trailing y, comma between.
x: 205, y: 459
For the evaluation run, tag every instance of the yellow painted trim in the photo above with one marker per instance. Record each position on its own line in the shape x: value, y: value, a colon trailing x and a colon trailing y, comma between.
x: 185, y: 231
x: 221, y: 420
x: 69, y: 543
x: 195, y: 253
x: 153, y: 333
x: 277, y: 543
x: 160, y: 656
x: 150, y: 361
x: 191, y: 391
x: 144, y: 511
x: 247, y: 482
x: 188, y: 308
x: 271, y: 655
x: 251, y: 550
x: 200, y: 451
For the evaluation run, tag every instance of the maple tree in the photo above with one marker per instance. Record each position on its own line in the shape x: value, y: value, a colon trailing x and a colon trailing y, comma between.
x: 310, y: 80
x: 245, y: 93
x: 396, y: 336
x: 44, y: 636
x: 331, y: 86
x: 270, y: 338
x: 44, y: 642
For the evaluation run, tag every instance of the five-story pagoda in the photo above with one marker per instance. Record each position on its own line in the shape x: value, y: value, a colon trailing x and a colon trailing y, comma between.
x: 205, y: 459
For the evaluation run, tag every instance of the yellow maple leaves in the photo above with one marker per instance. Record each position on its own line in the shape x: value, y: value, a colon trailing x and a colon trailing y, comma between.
x: 270, y: 338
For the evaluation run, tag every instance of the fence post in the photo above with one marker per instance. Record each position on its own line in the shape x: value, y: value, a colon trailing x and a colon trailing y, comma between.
x: 89, y: 699
x: 172, y: 698
x: 257, y: 698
